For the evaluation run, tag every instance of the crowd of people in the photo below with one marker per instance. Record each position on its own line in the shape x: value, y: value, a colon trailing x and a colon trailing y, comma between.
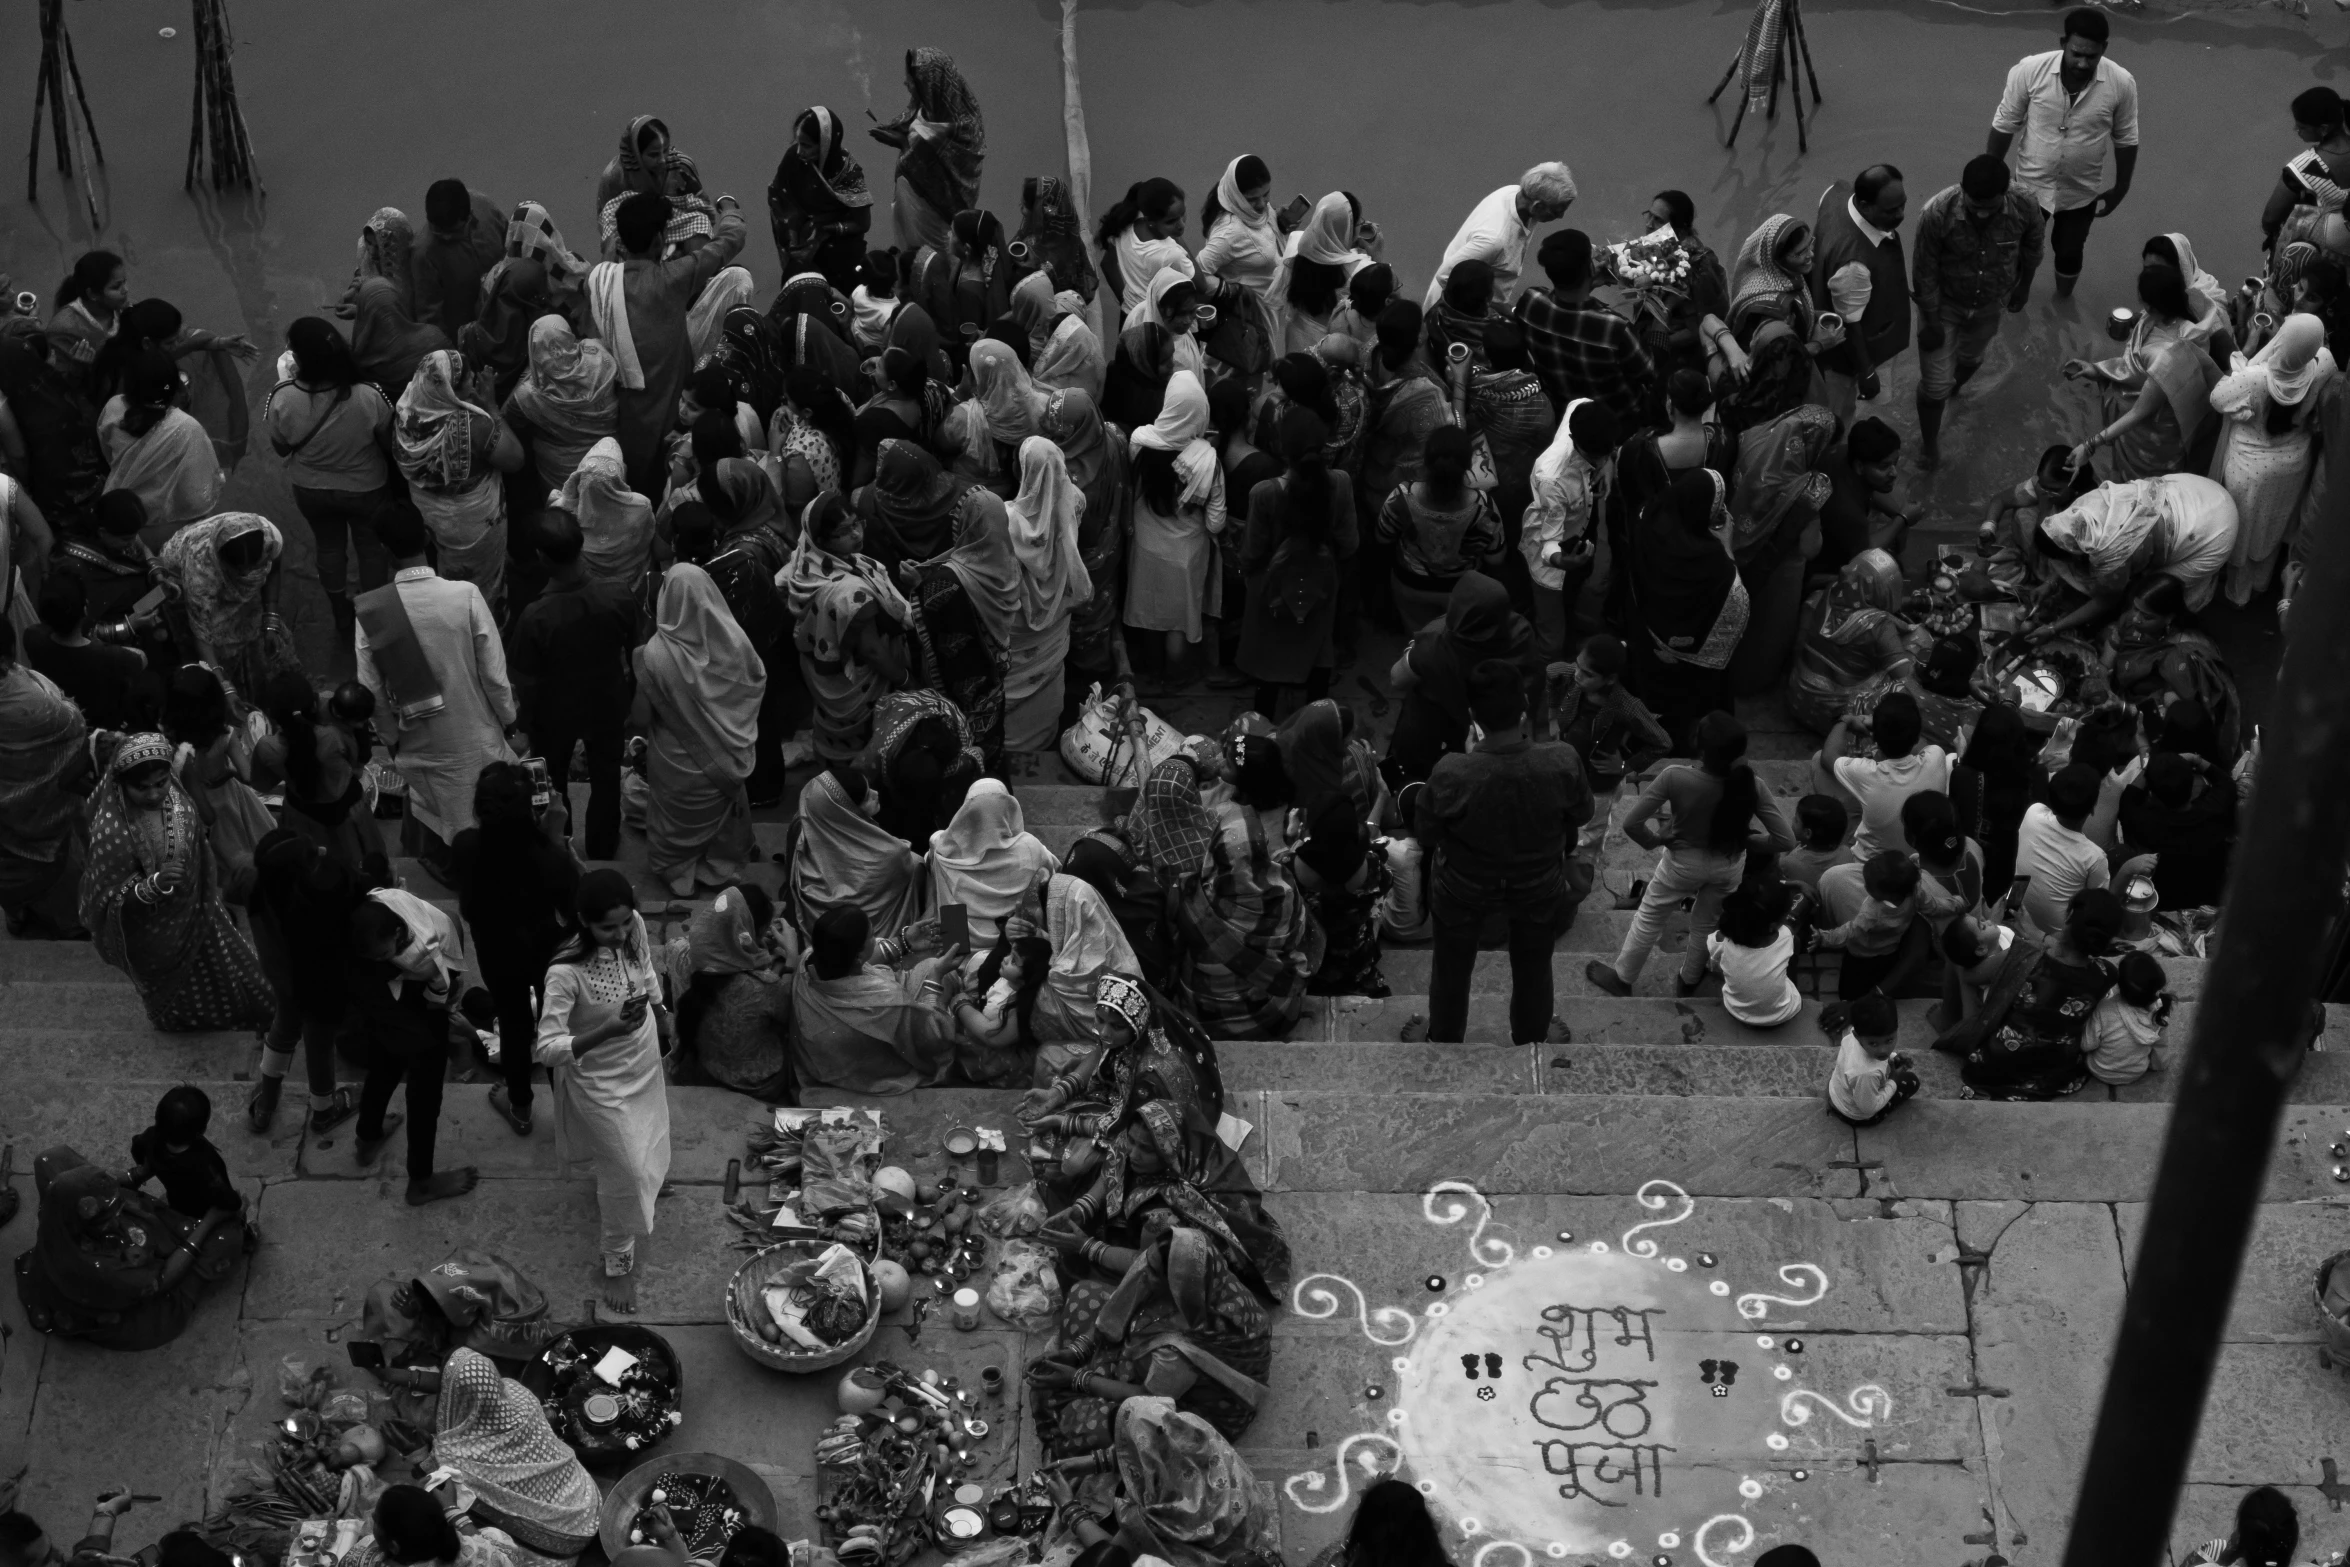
x: 600, y: 517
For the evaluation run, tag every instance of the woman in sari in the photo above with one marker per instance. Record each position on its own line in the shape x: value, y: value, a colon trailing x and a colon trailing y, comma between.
x: 1149, y: 1049
x: 961, y: 611
x: 1327, y: 757
x: 1173, y: 585
x: 1689, y: 608
x: 1062, y: 347
x: 1432, y: 677
x: 1249, y: 945
x: 2163, y: 667
x: 452, y: 452
x: 1241, y: 243
x: 1054, y: 238
x: 848, y: 622
x: 222, y: 568
x: 64, y: 467
x: 1171, y: 302
x: 493, y: 1433
x: 1940, y: 681
x: 514, y: 295
x: 1775, y: 500
x: 1135, y: 382
x: 1316, y: 265
x: 814, y: 423
x: 700, y: 684
x: 810, y: 325
x: 1088, y: 945
x: 940, y: 141
x: 986, y: 859
x: 151, y: 899
x: 913, y: 508
x: 1343, y: 875
x: 386, y: 338
x: 865, y: 1028
x: 1850, y: 631
x: 2268, y: 445
x: 985, y: 431
x: 2207, y: 296
x: 925, y: 759
x: 647, y: 163
x: 1179, y: 1325
x: 734, y: 1015
x: 818, y: 195
x: 1045, y: 522
x: 615, y: 523
x: 2104, y: 544
x: 156, y: 449
x: 1438, y: 528
x: 912, y: 403
x: 44, y: 753
x: 1097, y: 467
x: 2025, y: 1041
x: 1774, y: 332
x: 1163, y: 1164
x: 601, y: 1026
x: 565, y: 402
x: 967, y: 284
x: 840, y: 857
x: 2157, y: 392
x: 113, y: 1266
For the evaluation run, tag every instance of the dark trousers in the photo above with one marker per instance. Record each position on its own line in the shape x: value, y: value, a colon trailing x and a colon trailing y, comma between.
x: 602, y: 735
x: 1890, y: 972
x: 338, y: 519
x: 406, y: 1040
x: 780, y: 708
x: 1533, y: 924
x: 1269, y: 693
x: 2068, y: 235
x: 513, y: 981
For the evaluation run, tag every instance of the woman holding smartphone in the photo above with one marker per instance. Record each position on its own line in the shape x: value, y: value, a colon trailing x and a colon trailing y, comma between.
x: 601, y: 1035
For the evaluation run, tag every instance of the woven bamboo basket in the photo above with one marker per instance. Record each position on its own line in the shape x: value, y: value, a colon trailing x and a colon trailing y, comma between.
x: 743, y: 1306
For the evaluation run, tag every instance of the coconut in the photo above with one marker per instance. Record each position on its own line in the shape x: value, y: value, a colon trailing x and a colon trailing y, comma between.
x: 894, y: 1188
x: 891, y: 1279
x: 861, y: 1392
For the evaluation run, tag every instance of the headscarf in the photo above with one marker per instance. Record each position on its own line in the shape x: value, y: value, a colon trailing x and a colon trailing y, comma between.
x: 1756, y: 272
x: 225, y: 608
x: 986, y: 859
x: 108, y: 1279
x: 724, y: 938
x: 983, y: 563
x: 826, y: 594
x: 1170, y: 827
x: 915, y: 498
x: 1236, y: 207
x: 386, y: 242
x: 568, y: 391
x: 1779, y: 470
x: 531, y: 232
x: 615, y: 523
x: 494, y: 1434
x: 2200, y: 284
x: 2296, y: 361
x: 914, y: 335
x: 516, y: 296
x: 1183, y: 419
x: 64, y: 465
x: 1150, y: 308
x: 840, y: 175
x: 843, y: 857
x: 1478, y: 624
x: 1867, y: 590
x: 42, y: 735
x: 749, y: 497
x: 435, y: 424
x: 702, y: 675
x: 637, y: 175
x: 1036, y: 306
x: 387, y: 342
x: 1008, y: 400
x: 945, y: 98
x: 1314, y: 753
x: 1043, y: 520
x: 1073, y: 423
x: 121, y: 860
x: 1329, y: 235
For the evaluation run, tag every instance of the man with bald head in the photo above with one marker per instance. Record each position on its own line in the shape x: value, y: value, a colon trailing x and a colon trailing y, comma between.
x: 1858, y: 271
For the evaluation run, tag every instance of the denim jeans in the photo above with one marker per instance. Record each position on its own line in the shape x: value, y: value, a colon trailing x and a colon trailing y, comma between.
x: 1680, y: 873
x: 337, y: 518
x: 1532, y: 911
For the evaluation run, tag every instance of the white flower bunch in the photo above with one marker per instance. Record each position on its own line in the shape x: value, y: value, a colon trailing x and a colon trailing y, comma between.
x: 1655, y: 260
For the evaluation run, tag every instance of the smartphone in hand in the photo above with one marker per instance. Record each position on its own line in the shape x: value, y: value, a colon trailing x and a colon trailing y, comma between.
x: 954, y: 926
x: 366, y: 1354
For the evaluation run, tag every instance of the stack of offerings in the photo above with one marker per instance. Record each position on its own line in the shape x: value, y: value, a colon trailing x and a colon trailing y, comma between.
x: 817, y: 1168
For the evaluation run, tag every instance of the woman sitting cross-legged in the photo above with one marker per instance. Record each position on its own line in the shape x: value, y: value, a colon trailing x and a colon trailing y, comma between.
x: 863, y: 1027
x: 113, y: 1265
x: 492, y: 1432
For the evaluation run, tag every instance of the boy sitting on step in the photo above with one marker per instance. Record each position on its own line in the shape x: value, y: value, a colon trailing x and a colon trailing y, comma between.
x: 2124, y: 1036
x: 1869, y: 1077
x: 1869, y: 913
x: 1751, y: 948
x: 176, y: 1152
x: 1820, y: 822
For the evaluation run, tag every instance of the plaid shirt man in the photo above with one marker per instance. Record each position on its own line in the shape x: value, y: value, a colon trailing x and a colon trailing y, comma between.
x: 1586, y: 350
x: 1970, y: 266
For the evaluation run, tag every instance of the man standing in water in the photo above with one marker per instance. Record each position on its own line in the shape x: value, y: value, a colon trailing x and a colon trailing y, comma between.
x: 1978, y: 244
x: 2068, y: 106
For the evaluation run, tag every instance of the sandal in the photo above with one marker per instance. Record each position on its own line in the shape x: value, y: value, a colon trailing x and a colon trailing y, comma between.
x: 339, y: 1109
x: 261, y: 1105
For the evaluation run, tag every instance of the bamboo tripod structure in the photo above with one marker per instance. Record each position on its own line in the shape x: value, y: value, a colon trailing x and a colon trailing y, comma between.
x: 1793, y: 40
x: 216, y: 123
x: 58, y: 66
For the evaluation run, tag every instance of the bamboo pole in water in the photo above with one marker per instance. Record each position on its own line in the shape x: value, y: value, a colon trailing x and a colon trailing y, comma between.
x: 1080, y: 150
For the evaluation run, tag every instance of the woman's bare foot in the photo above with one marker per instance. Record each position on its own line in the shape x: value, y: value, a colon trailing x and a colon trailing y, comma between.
x: 442, y: 1183
x: 617, y: 1292
x: 1414, y: 1030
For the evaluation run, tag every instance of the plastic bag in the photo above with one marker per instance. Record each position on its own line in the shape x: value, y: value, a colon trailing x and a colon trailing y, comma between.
x: 1026, y: 1289
x: 1100, y: 746
x: 1016, y: 1210
x: 344, y: 1409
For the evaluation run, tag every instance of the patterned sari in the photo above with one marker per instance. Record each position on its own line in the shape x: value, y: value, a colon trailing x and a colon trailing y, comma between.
x: 151, y: 899
x: 955, y: 655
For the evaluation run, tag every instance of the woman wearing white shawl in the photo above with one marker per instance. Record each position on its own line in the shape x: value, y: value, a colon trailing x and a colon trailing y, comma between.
x: 1063, y: 350
x: 2179, y: 525
x: 840, y: 855
x: 1328, y: 238
x: 1178, y: 316
x: 986, y: 428
x: 1172, y: 583
x: 699, y: 685
x: 2265, y: 447
x: 1087, y: 943
x: 565, y: 399
x: 1043, y: 521
x: 986, y: 859
x: 2207, y: 296
x: 615, y: 523
x: 1243, y: 243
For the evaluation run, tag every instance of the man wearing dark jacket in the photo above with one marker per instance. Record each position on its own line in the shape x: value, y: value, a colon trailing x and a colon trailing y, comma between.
x: 1497, y: 822
x: 1858, y: 272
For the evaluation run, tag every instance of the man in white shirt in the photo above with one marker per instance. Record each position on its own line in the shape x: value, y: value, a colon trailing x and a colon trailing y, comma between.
x: 2057, y: 847
x: 1498, y: 227
x: 2060, y: 112
x: 453, y: 722
x: 1879, y: 784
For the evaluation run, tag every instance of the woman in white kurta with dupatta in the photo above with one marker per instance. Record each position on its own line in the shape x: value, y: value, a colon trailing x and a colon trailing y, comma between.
x: 602, y: 1047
